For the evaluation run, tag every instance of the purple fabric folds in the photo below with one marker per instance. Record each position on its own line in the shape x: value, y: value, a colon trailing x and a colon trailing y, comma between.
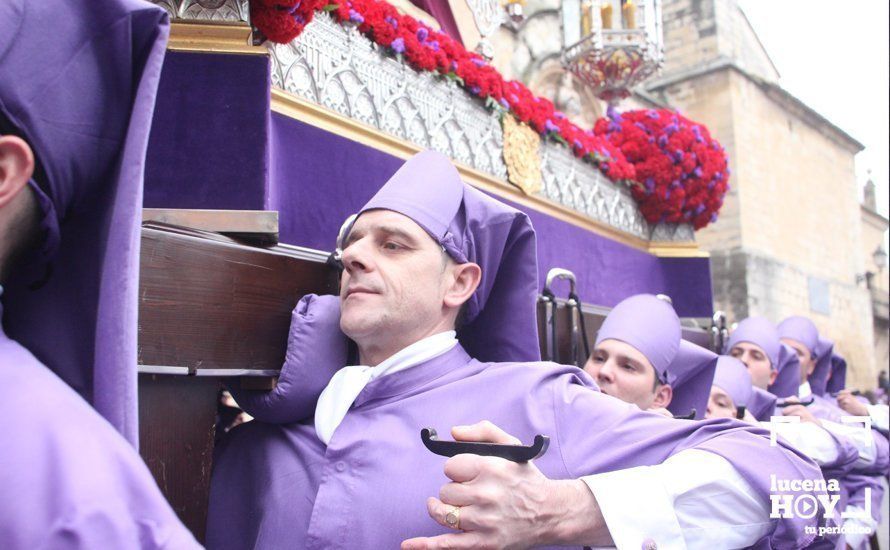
x: 818, y: 379
x: 69, y: 480
x: 277, y: 485
x: 316, y: 349
x: 79, y: 86
x: 837, y: 379
x: 787, y: 382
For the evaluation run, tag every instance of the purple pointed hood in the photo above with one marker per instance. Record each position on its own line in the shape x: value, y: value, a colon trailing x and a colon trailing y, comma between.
x: 732, y: 377
x: 760, y: 332
x: 801, y: 330
x: 79, y: 85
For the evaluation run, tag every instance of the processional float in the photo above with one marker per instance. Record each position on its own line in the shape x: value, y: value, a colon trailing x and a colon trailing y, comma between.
x: 260, y: 150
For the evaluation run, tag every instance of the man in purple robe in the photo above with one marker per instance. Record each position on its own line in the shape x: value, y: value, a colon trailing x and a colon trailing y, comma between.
x: 76, y: 94
x: 640, y: 358
x: 436, y: 273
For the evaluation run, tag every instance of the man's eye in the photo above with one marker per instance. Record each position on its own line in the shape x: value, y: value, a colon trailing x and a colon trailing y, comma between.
x: 628, y: 367
x: 599, y: 359
x: 390, y: 245
x: 735, y: 352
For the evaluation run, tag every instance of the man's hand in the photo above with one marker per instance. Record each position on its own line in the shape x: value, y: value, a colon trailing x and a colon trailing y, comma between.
x: 505, y: 504
x: 803, y: 412
x: 847, y: 401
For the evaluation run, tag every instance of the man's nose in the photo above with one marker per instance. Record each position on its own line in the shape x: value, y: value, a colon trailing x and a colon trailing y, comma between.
x: 606, y: 373
x: 356, y: 256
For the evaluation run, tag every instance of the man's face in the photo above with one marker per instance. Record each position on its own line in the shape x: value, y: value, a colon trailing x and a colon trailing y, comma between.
x: 757, y: 361
x: 621, y: 371
x: 720, y: 404
x: 807, y: 364
x: 393, y: 280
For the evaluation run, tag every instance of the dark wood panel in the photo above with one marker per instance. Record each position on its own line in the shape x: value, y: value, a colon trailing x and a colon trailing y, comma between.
x: 177, y: 420
x: 209, y: 302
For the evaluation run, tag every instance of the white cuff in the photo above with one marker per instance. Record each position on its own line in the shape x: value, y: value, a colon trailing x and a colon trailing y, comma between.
x: 857, y: 530
x: 810, y: 439
x: 859, y: 436
x: 880, y: 416
x: 637, y: 508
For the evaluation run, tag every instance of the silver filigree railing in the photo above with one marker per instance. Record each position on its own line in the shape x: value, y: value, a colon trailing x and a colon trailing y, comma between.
x: 336, y: 67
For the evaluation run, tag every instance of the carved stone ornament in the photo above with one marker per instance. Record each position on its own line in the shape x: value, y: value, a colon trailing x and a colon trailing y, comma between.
x: 522, y: 155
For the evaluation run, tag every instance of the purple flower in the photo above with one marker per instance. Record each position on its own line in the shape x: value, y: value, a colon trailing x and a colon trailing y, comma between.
x: 398, y: 45
x: 713, y: 217
x: 434, y: 45
x: 478, y: 62
x: 671, y: 129
x: 392, y: 21
x: 718, y: 175
x: 504, y: 103
x: 613, y: 113
x: 711, y: 184
x: 550, y: 127
x: 356, y: 17
x: 577, y: 144
x: 699, y: 209
x: 662, y: 141
x: 513, y: 98
x: 652, y: 114
x: 614, y: 126
x: 678, y: 156
x: 650, y: 184
x: 605, y: 166
x: 697, y: 172
x: 728, y: 171
x: 453, y: 65
x: 299, y: 19
x: 422, y: 33
x: 640, y: 125
x: 296, y: 7
x: 475, y: 90
x: 557, y: 115
x: 675, y: 184
x: 667, y: 194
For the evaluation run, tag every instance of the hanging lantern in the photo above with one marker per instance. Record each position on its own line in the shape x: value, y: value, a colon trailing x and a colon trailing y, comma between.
x: 612, y: 45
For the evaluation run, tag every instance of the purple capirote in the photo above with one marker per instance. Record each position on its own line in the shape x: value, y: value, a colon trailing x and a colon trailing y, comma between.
x: 79, y: 86
x: 651, y: 326
x: 732, y: 377
x: 473, y: 227
x: 760, y: 332
x: 800, y: 329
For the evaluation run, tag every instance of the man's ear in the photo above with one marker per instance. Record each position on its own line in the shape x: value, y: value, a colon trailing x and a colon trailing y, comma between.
x: 462, y: 284
x: 772, y: 376
x: 663, y: 396
x: 16, y: 167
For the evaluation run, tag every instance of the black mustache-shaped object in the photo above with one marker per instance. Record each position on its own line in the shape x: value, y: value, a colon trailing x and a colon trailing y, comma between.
x: 513, y: 453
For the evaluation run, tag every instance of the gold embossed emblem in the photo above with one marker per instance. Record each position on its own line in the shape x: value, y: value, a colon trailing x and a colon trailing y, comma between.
x: 522, y: 155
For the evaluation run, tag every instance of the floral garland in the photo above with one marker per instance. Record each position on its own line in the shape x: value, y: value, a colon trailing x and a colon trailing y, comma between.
x: 426, y: 49
x: 682, y: 172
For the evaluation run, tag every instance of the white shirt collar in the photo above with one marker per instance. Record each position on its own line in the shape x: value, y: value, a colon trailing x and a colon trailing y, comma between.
x: 805, y: 390
x: 348, y: 382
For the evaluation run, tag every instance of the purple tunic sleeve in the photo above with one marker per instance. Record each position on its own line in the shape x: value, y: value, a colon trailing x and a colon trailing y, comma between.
x: 68, y: 478
x: 597, y: 433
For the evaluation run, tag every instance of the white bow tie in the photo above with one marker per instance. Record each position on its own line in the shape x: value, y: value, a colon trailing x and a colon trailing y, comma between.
x: 348, y: 382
